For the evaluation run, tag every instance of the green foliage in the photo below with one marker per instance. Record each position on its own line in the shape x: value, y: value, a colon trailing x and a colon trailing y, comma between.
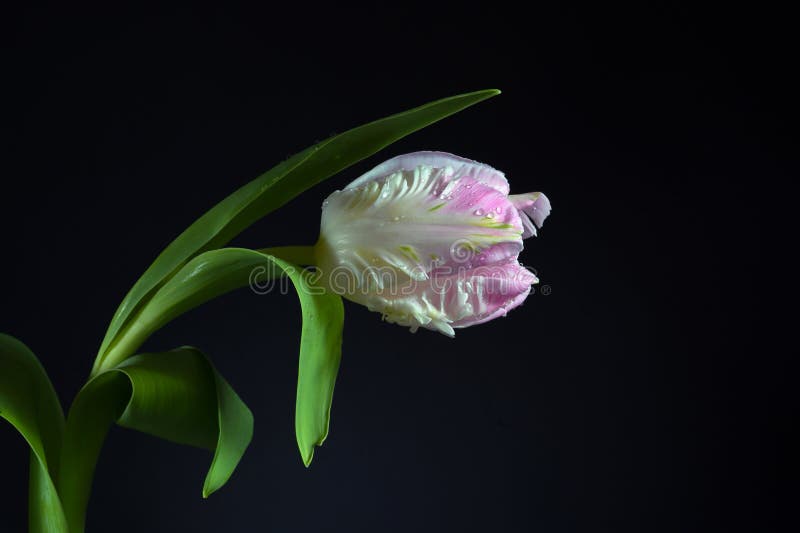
x: 176, y: 395
x: 218, y: 271
x: 29, y: 403
x: 213, y: 273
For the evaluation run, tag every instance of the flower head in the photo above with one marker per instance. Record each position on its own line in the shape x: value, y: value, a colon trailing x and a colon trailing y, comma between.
x: 429, y: 239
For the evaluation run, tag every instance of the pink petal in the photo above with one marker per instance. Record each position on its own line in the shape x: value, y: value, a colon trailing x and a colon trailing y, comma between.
x: 534, y: 207
x: 458, y: 299
x: 501, y: 289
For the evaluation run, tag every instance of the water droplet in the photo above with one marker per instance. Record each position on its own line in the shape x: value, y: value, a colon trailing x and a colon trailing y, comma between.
x: 479, y: 212
x: 489, y: 215
x: 498, y: 210
x: 469, y: 185
x: 443, y: 196
x: 396, y: 219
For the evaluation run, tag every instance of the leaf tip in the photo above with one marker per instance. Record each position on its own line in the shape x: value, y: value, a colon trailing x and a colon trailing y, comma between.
x: 307, y: 455
x: 208, y: 489
x: 487, y: 93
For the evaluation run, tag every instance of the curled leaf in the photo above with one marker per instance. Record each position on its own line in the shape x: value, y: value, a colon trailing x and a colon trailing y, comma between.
x: 219, y: 271
x: 176, y: 395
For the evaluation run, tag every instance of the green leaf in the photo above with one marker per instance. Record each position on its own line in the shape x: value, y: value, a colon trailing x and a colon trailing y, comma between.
x: 265, y: 194
x: 29, y: 403
x: 219, y: 271
x: 320, y: 354
x: 45, y: 512
x: 176, y: 395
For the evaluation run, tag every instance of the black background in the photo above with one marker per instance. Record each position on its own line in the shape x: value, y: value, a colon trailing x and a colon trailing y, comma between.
x: 638, y: 396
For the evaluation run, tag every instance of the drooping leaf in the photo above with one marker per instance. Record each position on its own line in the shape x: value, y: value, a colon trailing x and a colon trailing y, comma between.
x: 320, y: 355
x: 219, y: 271
x: 29, y: 403
x: 265, y: 194
x: 177, y: 395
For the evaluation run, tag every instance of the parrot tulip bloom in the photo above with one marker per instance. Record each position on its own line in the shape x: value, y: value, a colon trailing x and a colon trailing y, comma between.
x: 429, y: 239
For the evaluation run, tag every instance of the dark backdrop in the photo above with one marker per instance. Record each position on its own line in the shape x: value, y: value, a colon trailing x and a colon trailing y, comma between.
x: 636, y: 396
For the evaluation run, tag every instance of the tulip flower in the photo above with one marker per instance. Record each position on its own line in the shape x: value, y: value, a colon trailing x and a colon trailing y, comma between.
x: 427, y: 239
x: 431, y: 240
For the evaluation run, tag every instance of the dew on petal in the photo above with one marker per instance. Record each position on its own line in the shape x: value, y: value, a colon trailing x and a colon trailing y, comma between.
x: 479, y: 212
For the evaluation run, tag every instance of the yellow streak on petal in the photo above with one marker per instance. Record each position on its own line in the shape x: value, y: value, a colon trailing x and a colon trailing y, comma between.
x: 409, y: 251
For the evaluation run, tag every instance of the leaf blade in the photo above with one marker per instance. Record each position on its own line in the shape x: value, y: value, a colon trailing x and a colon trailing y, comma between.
x: 318, y: 366
x: 45, y: 512
x: 29, y: 403
x: 218, y: 271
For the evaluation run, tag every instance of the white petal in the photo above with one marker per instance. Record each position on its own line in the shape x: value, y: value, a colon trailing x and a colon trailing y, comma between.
x: 460, y: 165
